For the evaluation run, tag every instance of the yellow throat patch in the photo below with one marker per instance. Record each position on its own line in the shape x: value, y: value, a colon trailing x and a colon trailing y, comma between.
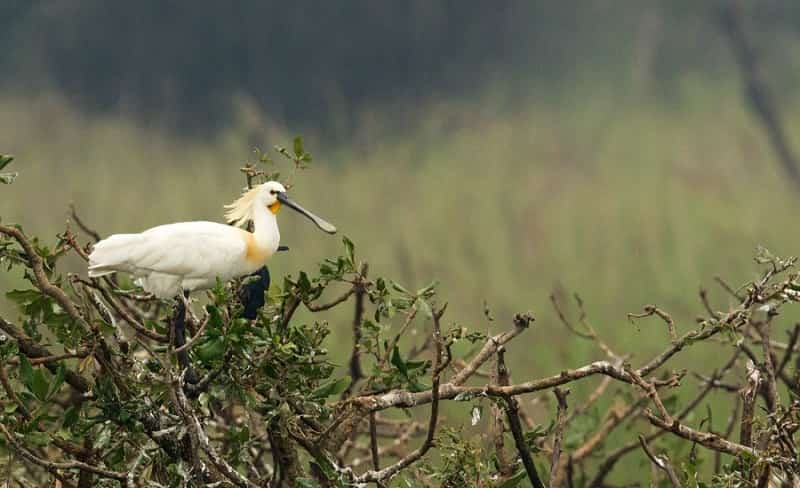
x: 274, y: 207
x: 254, y: 253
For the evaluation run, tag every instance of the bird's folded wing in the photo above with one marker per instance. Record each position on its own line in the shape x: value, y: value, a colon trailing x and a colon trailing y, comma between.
x: 190, y: 249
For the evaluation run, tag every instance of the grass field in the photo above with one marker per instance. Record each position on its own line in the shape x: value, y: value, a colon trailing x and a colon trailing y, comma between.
x: 627, y: 201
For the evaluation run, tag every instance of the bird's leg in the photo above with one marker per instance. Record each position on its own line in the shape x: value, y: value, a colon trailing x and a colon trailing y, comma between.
x: 179, y: 324
x: 252, y: 293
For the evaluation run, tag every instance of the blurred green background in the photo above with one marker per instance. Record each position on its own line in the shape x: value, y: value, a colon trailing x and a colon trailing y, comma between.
x: 506, y: 149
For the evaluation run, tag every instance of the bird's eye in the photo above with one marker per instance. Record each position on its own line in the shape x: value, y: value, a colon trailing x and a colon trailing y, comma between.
x: 273, y: 192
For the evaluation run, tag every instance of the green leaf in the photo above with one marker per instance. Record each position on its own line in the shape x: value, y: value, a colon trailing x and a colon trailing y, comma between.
x: 8, y: 178
x: 428, y: 289
x: 57, y: 381
x: 397, y: 361
x: 25, y: 369
x: 513, y: 481
x: 214, y: 317
x: 464, y: 397
x: 264, y: 158
x: 211, y: 350
x: 424, y: 307
x: 306, y: 483
x: 37, y: 438
x: 400, y: 288
x: 282, y: 150
x: 153, y: 325
x: 304, y: 283
x: 334, y: 387
x: 349, y: 249
x: 22, y: 297
x: 71, y: 416
x: 5, y: 160
x: 297, y: 144
x: 40, y: 384
x: 116, y: 456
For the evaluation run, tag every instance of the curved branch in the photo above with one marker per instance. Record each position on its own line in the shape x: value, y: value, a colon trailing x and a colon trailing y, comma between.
x: 660, y: 462
x: 42, y: 282
x: 388, y: 472
x: 52, y: 466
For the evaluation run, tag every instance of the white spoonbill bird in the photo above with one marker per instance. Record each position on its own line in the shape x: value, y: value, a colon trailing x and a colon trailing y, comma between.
x: 174, y: 258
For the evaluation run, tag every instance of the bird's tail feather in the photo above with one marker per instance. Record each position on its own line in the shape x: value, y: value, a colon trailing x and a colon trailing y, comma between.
x: 112, y: 254
x: 96, y: 272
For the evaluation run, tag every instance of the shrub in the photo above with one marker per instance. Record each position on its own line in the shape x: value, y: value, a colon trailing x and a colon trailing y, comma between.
x: 93, y: 392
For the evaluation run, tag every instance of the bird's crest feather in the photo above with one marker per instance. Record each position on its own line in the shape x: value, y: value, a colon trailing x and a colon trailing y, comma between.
x: 240, y: 211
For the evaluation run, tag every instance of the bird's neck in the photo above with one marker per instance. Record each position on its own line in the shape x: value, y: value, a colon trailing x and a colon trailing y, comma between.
x: 266, y: 229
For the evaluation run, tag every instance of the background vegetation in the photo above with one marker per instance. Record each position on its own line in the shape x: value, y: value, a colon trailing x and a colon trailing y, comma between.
x: 506, y: 152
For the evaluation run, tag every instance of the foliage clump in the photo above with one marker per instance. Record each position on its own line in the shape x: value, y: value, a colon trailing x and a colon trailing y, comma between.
x: 93, y: 392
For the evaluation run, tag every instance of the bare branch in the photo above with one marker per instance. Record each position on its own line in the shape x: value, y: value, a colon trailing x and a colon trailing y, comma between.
x: 205, y: 444
x: 373, y: 442
x: 73, y: 243
x: 591, y: 399
x: 748, y: 404
x: 615, y: 418
x: 661, y: 463
x: 612, y: 458
x: 771, y: 386
x: 649, y: 311
x: 42, y: 282
x: 725, y: 286
x: 92, y: 233
x: 356, y: 372
x: 729, y: 320
x: 195, y: 337
x: 393, y: 343
x: 561, y: 422
x: 499, y: 377
x: 54, y: 358
x: 787, y: 355
x: 727, y: 435
x: 705, y: 439
x: 512, y: 412
x: 707, y: 304
x: 388, y: 472
x: 126, y: 316
x: 521, y: 322
x: 336, y: 301
x: 53, y: 466
x: 566, y: 322
x: 23, y: 410
x: 33, y: 350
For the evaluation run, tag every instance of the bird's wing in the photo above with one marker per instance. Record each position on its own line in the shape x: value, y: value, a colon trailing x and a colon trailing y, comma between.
x: 190, y: 249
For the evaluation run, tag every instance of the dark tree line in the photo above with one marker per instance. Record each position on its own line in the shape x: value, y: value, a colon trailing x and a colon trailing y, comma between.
x: 303, y: 60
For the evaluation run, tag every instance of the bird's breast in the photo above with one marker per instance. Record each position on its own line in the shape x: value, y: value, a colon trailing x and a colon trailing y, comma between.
x: 256, y: 253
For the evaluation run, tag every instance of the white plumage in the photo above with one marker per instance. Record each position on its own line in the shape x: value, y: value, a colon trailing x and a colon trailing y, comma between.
x: 169, y: 259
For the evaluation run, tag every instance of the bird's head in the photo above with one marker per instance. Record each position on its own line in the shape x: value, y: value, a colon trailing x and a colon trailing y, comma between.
x: 271, y: 195
x: 268, y: 195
